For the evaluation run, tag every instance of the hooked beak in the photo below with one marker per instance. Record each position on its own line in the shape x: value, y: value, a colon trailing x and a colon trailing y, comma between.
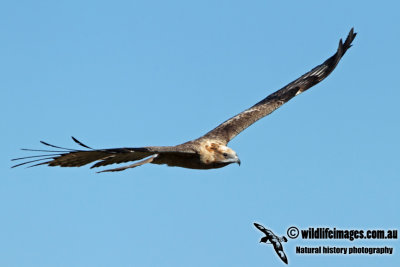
x: 232, y: 159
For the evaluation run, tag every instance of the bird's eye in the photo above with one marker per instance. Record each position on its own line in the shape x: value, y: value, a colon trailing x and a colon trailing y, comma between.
x: 225, y: 155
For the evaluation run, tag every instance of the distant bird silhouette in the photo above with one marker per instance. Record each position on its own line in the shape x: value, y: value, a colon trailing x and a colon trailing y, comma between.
x: 274, y: 240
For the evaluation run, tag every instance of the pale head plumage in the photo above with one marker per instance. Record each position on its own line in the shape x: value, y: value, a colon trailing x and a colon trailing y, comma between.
x: 216, y: 153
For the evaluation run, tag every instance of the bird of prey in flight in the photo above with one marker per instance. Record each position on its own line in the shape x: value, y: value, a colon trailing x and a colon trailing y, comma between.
x: 207, y: 152
x: 274, y: 240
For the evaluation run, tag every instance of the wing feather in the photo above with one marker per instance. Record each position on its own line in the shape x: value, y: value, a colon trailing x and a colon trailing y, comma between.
x: 261, y: 228
x: 136, y: 164
x: 281, y: 254
x: 232, y: 127
x: 76, y: 157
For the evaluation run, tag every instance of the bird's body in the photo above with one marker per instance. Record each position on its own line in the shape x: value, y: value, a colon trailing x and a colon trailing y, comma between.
x: 207, y: 152
x: 200, y: 154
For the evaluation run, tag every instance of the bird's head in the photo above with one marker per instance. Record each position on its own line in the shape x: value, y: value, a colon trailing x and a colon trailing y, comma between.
x: 225, y: 154
x: 264, y: 239
x: 214, y: 153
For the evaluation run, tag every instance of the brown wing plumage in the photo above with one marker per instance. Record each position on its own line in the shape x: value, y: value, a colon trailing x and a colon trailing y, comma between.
x: 76, y: 157
x: 232, y: 127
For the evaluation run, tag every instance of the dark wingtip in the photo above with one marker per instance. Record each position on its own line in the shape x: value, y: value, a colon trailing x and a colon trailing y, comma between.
x: 258, y: 226
x: 37, y: 158
x: 31, y: 161
x: 342, y: 48
x: 50, y: 145
x: 45, y: 143
x: 80, y: 143
x: 350, y: 37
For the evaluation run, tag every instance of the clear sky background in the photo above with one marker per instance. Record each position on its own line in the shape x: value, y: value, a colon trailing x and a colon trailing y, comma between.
x: 137, y: 73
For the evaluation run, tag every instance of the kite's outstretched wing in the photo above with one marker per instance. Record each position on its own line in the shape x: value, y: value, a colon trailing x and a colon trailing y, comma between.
x: 232, y: 127
x: 66, y: 157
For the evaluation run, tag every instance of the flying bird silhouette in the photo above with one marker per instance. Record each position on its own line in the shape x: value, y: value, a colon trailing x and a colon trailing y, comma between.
x: 274, y: 240
x: 207, y: 152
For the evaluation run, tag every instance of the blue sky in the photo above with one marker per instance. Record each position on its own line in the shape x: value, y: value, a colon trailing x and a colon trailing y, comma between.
x: 137, y: 73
